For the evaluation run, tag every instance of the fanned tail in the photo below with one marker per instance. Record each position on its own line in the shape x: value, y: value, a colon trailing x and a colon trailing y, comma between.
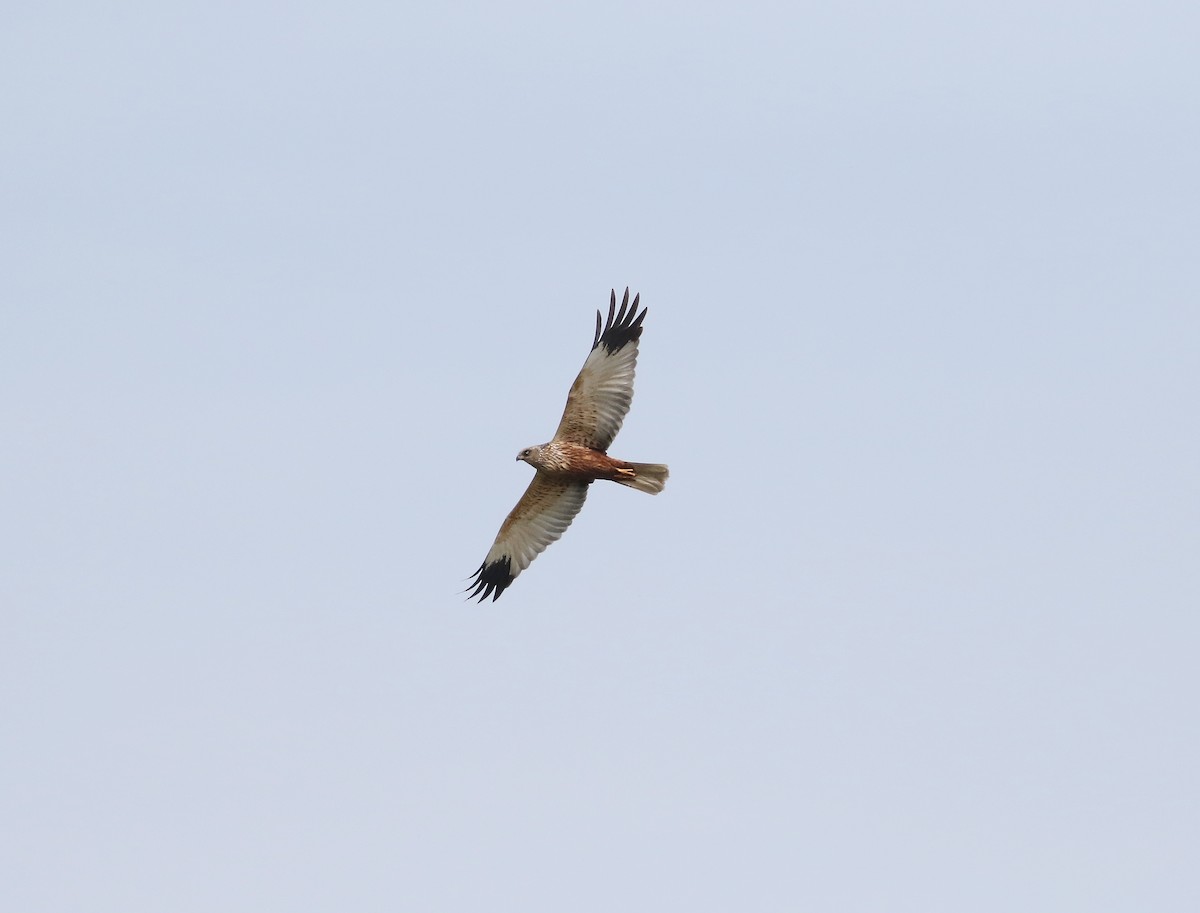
x: 647, y: 477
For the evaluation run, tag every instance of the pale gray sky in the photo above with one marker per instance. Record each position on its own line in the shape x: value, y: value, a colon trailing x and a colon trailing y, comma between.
x: 913, y: 627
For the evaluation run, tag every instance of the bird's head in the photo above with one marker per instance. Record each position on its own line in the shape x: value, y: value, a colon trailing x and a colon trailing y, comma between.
x: 530, y: 455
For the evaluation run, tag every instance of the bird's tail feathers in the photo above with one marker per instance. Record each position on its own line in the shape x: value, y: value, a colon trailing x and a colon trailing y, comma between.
x: 647, y: 477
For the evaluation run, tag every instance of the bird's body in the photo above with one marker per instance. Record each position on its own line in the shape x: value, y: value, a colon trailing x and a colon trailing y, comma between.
x: 577, y: 455
x: 575, y: 461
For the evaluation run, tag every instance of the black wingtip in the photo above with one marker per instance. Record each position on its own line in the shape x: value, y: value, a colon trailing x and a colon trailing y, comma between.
x: 623, y: 326
x: 624, y: 306
x: 490, y: 580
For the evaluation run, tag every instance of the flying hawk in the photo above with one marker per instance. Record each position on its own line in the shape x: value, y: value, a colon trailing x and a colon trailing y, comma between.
x: 577, y: 454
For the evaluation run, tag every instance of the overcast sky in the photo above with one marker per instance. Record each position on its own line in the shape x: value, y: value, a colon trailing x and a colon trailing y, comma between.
x: 914, y: 626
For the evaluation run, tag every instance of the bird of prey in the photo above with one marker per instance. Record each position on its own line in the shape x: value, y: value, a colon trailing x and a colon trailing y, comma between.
x: 576, y: 456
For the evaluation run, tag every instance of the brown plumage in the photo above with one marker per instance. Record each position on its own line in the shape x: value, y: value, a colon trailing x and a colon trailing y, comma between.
x: 577, y: 454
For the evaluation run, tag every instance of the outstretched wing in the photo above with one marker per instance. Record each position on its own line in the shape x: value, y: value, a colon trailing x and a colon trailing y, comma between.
x: 541, y: 516
x: 601, y: 394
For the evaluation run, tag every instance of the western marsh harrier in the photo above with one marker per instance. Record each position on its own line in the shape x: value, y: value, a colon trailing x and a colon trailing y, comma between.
x: 577, y: 454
